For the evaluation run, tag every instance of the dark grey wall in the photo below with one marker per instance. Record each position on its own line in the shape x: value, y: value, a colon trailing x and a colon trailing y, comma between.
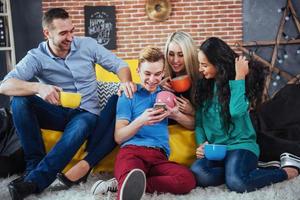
x: 27, y: 24
x: 26, y: 16
x: 260, y: 22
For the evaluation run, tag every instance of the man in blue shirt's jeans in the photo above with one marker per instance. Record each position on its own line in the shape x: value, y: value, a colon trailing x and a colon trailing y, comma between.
x: 61, y: 63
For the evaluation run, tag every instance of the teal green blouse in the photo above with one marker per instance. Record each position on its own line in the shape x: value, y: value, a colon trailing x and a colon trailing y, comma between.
x: 241, y: 134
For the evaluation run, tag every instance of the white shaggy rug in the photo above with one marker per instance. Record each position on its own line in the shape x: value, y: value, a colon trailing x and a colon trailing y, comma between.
x: 288, y: 190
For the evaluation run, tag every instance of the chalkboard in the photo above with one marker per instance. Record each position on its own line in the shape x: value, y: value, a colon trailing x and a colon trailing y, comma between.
x: 100, y: 24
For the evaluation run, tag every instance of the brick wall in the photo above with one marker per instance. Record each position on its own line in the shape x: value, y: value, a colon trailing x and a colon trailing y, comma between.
x: 200, y: 18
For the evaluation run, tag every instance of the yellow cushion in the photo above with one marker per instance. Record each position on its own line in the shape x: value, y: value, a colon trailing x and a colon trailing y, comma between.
x: 103, y: 75
x: 182, y: 141
x: 182, y: 144
x: 107, y: 163
x: 51, y: 137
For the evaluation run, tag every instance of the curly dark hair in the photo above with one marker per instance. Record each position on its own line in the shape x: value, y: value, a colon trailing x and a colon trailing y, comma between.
x: 219, y: 54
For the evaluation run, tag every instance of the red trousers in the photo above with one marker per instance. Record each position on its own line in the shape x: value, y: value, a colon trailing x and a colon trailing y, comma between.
x: 163, y: 176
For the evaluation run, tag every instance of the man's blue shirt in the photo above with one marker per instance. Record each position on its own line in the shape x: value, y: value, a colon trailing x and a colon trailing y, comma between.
x: 75, y: 73
x: 156, y: 135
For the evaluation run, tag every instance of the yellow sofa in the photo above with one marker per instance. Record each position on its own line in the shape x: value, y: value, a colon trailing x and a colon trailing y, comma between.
x: 182, y: 142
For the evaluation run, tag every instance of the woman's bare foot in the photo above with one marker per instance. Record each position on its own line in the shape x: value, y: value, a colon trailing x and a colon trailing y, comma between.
x: 78, y: 170
x: 291, y: 172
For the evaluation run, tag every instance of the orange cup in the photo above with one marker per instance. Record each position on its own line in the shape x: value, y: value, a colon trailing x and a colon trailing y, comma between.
x: 181, y: 83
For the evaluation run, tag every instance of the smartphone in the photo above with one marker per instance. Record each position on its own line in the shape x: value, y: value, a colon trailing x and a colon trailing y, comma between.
x: 160, y: 105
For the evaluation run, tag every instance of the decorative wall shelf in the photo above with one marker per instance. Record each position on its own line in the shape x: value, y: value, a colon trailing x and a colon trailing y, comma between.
x: 7, y: 29
x: 288, y: 12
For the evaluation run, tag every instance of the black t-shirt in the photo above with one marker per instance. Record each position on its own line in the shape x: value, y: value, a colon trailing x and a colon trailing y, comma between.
x: 186, y: 95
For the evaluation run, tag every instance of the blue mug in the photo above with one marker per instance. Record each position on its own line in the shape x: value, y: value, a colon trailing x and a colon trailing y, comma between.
x: 215, y: 151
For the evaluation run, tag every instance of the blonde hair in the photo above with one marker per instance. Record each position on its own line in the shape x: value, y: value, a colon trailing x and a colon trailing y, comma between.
x: 189, y: 50
x: 150, y: 54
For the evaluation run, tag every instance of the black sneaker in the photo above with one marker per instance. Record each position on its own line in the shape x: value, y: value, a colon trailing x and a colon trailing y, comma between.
x: 68, y: 183
x: 20, y: 190
x: 17, y: 180
x: 270, y: 164
x: 134, y: 185
x: 290, y: 160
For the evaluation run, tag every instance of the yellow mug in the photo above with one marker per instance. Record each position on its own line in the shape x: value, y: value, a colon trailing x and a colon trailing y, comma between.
x: 70, y: 99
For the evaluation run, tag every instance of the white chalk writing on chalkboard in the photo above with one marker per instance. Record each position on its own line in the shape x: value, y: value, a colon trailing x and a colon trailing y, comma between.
x: 99, y: 24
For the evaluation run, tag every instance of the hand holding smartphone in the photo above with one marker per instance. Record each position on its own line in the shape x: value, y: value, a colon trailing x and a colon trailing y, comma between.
x: 160, y: 105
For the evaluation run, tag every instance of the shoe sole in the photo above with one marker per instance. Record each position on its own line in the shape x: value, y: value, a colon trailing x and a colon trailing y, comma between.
x: 134, y: 185
x: 290, y: 155
x: 268, y: 164
x: 290, y: 160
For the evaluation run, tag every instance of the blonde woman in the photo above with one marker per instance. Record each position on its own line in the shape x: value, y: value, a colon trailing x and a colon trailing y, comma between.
x: 181, y: 59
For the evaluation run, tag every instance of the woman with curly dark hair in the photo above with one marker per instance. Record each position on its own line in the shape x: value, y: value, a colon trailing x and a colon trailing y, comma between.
x: 229, y: 87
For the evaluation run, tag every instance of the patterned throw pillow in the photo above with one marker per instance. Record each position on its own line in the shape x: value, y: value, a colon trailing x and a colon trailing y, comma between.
x: 105, y: 90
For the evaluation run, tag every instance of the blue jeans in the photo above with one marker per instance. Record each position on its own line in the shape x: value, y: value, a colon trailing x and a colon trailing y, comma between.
x: 238, y: 171
x: 30, y: 113
x: 101, y: 142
